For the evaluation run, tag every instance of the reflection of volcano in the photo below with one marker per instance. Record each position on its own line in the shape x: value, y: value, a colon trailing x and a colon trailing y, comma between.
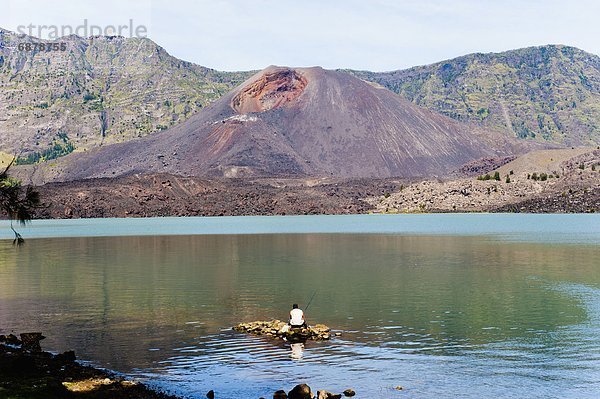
x: 301, y: 122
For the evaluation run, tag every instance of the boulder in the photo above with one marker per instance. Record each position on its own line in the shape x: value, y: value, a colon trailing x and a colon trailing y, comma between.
x: 31, y: 341
x: 327, y: 395
x: 301, y: 391
x: 349, y: 393
x: 66, y: 357
x: 10, y: 339
x: 280, y: 394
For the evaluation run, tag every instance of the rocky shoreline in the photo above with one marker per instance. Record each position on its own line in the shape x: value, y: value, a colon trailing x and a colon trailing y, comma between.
x: 28, y: 372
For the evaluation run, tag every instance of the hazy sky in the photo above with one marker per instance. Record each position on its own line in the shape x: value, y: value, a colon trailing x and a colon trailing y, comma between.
x: 376, y: 35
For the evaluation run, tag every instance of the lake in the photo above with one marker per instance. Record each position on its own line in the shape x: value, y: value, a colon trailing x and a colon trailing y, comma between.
x: 445, y: 306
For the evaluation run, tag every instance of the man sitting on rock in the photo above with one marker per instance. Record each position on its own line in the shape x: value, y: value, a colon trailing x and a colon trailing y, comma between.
x: 297, y: 317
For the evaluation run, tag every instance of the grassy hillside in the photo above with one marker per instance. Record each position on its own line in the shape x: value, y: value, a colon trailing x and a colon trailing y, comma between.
x: 549, y: 93
x: 99, y: 90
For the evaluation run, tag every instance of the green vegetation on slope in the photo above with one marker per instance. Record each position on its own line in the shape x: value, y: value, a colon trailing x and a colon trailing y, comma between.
x: 60, y: 146
x: 549, y: 93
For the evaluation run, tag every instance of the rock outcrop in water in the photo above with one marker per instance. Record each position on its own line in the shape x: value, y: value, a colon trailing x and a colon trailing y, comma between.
x: 279, y: 329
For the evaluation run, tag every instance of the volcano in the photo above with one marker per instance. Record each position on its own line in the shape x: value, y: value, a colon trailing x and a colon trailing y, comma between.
x: 300, y: 122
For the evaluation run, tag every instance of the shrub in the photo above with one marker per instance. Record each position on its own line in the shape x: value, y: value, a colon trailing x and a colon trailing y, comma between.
x: 88, y: 97
x: 534, y: 176
x: 507, y: 179
x: 497, y: 176
x: 543, y: 177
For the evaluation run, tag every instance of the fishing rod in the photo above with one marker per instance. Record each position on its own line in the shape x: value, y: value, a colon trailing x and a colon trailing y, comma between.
x: 311, y: 298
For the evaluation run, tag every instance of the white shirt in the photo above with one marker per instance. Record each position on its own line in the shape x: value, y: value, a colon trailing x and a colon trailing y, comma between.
x: 296, y: 317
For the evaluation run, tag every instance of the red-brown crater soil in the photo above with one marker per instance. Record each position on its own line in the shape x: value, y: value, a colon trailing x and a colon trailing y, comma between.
x: 272, y: 90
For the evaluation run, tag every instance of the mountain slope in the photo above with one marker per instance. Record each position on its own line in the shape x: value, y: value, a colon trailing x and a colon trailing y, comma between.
x: 298, y: 122
x: 98, y: 90
x: 549, y: 93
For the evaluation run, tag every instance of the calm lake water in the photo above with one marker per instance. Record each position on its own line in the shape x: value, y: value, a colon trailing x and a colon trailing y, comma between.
x: 471, y: 306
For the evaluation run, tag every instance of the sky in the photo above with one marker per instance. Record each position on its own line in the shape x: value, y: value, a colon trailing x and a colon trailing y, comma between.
x: 377, y: 35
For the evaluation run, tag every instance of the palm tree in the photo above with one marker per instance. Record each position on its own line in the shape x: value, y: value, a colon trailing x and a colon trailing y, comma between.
x: 16, y: 201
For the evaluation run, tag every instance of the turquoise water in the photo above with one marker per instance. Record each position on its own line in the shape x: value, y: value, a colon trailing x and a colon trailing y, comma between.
x: 471, y: 306
x: 578, y: 228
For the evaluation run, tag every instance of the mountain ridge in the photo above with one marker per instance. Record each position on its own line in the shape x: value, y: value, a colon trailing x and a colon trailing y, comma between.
x: 105, y: 90
x: 547, y: 93
x: 98, y: 90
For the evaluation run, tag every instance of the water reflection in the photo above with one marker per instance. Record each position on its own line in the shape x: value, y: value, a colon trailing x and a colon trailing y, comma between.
x: 429, y: 313
x: 297, y: 350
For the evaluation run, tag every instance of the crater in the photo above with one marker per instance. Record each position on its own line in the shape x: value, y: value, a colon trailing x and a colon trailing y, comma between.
x: 272, y: 90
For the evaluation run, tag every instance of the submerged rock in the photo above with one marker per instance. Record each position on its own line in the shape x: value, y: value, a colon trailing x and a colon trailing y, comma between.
x: 280, y: 329
x: 349, y: 393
